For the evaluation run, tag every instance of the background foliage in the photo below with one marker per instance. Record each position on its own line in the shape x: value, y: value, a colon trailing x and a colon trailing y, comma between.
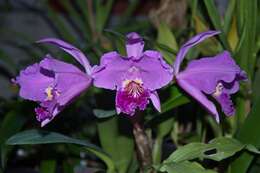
x: 96, y: 139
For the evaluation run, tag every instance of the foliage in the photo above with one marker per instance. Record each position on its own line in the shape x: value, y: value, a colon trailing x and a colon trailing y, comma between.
x: 98, y: 139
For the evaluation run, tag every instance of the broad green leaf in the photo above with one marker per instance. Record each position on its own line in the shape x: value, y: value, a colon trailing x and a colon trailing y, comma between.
x: 34, y: 136
x: 31, y: 137
x: 104, y: 113
x: 48, y: 166
x: 248, y: 133
x: 217, y: 149
x: 166, y: 37
x: 184, y: 167
x: 119, y: 146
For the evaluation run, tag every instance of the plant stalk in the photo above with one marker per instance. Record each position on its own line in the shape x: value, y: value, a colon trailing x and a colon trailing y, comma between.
x: 144, y: 152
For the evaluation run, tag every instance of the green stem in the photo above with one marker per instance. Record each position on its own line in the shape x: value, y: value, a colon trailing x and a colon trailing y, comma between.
x: 157, y: 150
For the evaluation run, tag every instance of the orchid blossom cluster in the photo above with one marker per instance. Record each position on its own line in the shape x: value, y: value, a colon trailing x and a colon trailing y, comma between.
x: 135, y: 77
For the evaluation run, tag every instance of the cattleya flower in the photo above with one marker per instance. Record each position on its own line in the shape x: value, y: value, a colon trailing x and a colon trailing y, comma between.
x: 135, y: 77
x: 53, y: 83
x: 217, y: 76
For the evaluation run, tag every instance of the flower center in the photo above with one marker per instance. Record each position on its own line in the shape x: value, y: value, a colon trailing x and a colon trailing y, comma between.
x: 133, y: 87
x: 51, y: 93
x: 219, y: 89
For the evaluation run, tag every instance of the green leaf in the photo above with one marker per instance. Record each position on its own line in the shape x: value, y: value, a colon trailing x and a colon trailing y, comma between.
x: 48, y: 166
x: 215, y: 19
x: 61, y: 25
x: 166, y: 37
x: 119, y: 146
x: 102, y: 13
x: 228, y: 15
x: 104, y: 113
x: 248, y: 133
x: 31, y: 137
x: 34, y: 136
x: 11, y: 124
x: 177, y: 99
x: 81, y: 23
x: 217, y: 149
x: 256, y: 84
x: 247, y: 18
x: 184, y: 167
x: 163, y: 129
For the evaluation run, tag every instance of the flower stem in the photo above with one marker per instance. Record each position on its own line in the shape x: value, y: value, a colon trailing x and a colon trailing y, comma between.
x: 143, y: 147
x: 157, y: 150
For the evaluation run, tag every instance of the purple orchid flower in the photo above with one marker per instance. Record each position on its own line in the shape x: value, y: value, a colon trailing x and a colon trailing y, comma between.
x: 53, y: 83
x: 217, y: 76
x: 135, y: 77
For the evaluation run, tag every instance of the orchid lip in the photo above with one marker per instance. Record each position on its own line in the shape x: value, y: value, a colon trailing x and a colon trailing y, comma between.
x: 133, y: 87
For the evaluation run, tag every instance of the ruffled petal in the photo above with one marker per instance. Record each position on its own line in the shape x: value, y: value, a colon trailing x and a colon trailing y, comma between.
x: 33, y: 82
x: 128, y: 104
x: 134, y: 45
x: 199, y: 96
x: 226, y: 103
x: 112, y: 71
x: 154, y: 71
x: 189, y: 44
x: 69, y: 80
x: 205, y: 73
x: 73, y: 51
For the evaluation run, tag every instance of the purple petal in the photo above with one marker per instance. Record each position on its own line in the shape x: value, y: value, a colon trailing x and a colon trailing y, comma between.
x: 58, y: 66
x: 69, y: 80
x: 205, y: 73
x: 154, y: 71
x: 128, y: 104
x: 114, y: 69
x: 47, y: 111
x: 54, y: 84
x: 134, y: 45
x: 226, y: 103
x: 75, y: 52
x: 155, y: 100
x: 199, y: 96
x: 111, y: 71
x: 52, y: 115
x: 33, y: 82
x: 192, y: 42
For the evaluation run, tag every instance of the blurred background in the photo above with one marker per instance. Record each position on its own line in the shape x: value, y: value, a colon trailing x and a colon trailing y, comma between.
x: 99, y: 26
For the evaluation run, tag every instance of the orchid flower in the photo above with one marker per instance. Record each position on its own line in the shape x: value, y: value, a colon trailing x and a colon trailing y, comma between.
x: 135, y: 77
x: 217, y: 77
x: 53, y: 83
